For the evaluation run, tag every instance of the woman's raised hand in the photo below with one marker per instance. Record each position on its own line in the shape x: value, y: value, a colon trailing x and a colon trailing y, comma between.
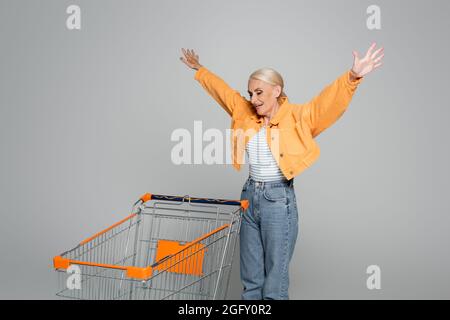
x: 190, y: 59
x: 371, y: 61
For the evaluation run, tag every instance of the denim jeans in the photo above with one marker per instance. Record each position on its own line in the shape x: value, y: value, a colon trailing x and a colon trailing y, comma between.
x: 267, y: 239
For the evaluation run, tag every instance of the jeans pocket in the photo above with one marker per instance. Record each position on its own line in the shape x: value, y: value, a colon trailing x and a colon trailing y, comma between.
x: 277, y: 194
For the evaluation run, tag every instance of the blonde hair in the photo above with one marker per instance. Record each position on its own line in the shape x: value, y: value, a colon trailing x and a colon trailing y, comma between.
x: 270, y: 76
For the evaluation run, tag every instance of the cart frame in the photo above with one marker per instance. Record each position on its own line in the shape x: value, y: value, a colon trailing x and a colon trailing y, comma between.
x: 169, y: 247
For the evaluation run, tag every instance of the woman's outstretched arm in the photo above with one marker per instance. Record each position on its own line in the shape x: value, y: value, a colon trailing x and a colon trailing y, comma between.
x: 327, y: 107
x: 227, y: 97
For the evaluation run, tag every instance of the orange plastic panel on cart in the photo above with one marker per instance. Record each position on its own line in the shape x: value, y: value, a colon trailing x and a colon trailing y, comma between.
x: 190, y: 261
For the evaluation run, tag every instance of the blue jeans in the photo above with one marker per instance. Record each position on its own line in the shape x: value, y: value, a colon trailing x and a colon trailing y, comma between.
x: 267, y: 239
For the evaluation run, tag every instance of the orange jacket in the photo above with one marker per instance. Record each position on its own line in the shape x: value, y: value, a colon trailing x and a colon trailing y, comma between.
x: 292, y: 128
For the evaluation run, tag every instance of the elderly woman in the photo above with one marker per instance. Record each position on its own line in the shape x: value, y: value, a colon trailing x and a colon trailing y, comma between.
x: 279, y: 141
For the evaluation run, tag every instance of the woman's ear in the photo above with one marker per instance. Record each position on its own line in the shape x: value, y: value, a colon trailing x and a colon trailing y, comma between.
x: 277, y: 91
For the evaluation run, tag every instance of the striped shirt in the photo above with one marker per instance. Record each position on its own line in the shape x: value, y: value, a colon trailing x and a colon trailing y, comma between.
x: 263, y: 166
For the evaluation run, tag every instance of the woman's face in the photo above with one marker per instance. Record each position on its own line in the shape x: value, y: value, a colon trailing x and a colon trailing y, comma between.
x: 263, y: 96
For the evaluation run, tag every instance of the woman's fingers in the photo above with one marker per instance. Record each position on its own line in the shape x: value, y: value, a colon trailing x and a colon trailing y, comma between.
x: 376, y: 52
x: 377, y: 65
x: 190, y: 58
x: 184, y: 61
x: 378, y: 59
x: 194, y: 56
x: 369, y: 52
x: 187, y: 56
x: 372, y: 60
x: 187, y: 53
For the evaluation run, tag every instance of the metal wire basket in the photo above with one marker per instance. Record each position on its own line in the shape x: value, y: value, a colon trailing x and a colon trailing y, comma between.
x: 169, y: 247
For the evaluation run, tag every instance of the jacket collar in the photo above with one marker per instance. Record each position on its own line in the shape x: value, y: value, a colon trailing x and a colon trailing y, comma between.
x: 278, y: 116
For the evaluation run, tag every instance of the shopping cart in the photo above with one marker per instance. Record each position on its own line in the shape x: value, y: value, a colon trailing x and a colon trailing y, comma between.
x: 169, y: 247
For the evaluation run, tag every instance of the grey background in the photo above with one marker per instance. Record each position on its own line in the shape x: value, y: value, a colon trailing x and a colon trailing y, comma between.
x: 86, y: 118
